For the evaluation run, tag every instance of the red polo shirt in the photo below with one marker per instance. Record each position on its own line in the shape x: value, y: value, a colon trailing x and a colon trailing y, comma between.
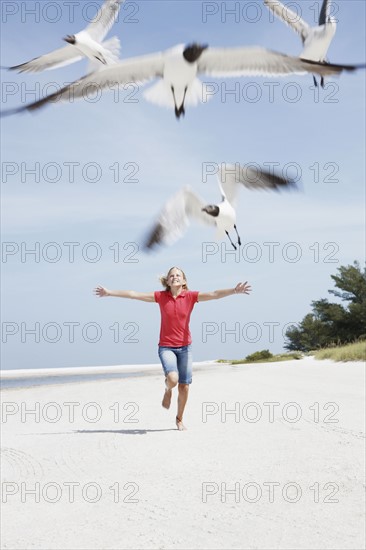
x: 175, y: 316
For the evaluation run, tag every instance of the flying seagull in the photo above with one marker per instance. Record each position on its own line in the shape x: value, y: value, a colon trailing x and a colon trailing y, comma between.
x: 86, y: 43
x: 177, y: 70
x: 316, y: 40
x: 186, y: 205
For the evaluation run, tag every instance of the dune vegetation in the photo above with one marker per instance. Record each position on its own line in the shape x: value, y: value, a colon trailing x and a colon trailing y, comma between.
x: 355, y: 351
x: 264, y: 356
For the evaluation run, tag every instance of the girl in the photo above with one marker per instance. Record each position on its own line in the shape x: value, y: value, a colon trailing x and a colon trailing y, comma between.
x: 176, y: 304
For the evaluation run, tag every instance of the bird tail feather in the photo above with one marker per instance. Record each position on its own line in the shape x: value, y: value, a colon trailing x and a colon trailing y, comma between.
x: 196, y: 93
x: 161, y: 94
x: 113, y: 48
x: 113, y: 45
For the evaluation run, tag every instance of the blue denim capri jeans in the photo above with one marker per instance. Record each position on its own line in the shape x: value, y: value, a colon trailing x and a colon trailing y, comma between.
x: 177, y: 360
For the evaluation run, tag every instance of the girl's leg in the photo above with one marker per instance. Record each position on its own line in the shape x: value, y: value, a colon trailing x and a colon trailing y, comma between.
x: 183, y: 390
x: 170, y: 382
x: 185, y: 378
x: 169, y: 363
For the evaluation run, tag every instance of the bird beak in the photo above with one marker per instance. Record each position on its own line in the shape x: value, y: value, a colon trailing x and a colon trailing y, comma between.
x: 70, y: 39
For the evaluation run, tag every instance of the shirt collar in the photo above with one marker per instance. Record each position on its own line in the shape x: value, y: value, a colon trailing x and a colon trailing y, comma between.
x: 181, y: 295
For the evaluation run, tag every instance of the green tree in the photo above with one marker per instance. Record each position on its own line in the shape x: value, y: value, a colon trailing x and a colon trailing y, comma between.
x: 311, y: 333
x: 352, y: 282
x: 330, y: 322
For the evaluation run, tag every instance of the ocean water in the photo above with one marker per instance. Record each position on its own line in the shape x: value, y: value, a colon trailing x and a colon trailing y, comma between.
x: 16, y: 383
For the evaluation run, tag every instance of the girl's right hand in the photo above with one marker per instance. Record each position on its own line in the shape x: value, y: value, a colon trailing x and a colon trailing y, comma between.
x: 101, y: 291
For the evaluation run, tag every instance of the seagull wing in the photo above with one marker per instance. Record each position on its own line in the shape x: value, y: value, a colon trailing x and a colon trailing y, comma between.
x: 233, y: 176
x: 175, y: 216
x: 289, y: 17
x: 57, y: 58
x: 97, y: 29
x: 104, y: 20
x: 138, y: 69
x: 324, y: 12
x: 227, y: 62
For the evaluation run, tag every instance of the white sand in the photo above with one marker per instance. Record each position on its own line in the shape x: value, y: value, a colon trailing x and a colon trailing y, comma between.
x: 168, y: 469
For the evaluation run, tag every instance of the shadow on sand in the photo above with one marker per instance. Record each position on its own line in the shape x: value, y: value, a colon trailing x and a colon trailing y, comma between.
x: 125, y: 432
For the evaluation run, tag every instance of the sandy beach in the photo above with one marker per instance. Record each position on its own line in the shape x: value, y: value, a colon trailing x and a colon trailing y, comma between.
x: 272, y: 459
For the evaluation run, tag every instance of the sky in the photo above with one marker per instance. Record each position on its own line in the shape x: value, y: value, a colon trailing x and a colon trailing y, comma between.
x: 82, y: 183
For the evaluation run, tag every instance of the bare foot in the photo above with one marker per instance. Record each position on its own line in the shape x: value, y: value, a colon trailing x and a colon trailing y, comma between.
x: 167, y: 399
x: 180, y: 426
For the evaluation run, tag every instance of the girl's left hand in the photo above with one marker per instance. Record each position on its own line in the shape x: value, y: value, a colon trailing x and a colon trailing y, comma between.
x: 243, y: 288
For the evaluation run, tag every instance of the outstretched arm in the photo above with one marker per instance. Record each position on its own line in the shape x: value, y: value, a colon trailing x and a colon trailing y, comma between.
x: 132, y: 294
x: 241, y: 288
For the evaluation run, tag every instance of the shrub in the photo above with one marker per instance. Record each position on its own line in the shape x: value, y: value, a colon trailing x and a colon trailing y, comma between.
x: 259, y: 355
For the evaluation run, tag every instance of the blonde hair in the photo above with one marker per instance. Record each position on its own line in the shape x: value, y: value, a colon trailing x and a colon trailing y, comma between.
x: 164, y: 278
